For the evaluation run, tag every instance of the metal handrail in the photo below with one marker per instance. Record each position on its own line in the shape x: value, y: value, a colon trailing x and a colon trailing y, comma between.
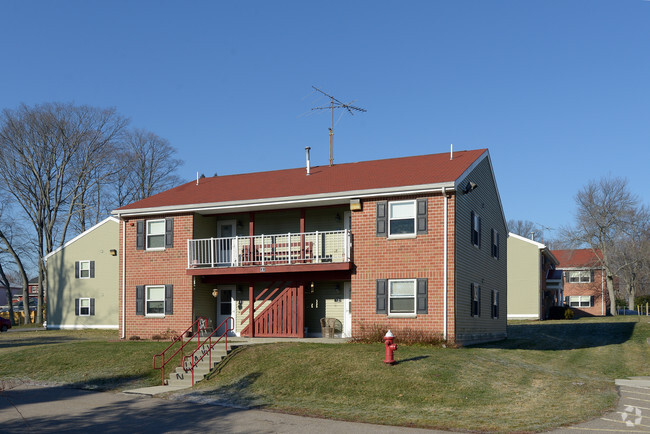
x: 195, y: 361
x: 165, y: 361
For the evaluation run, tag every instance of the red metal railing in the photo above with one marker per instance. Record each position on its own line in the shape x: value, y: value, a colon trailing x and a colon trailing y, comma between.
x: 167, y: 358
x: 229, y: 325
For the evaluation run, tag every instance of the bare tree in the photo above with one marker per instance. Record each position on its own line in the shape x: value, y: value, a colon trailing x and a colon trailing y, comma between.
x: 148, y: 167
x: 631, y: 256
x: 526, y: 229
x: 48, y: 155
x: 12, y: 243
x: 606, y: 211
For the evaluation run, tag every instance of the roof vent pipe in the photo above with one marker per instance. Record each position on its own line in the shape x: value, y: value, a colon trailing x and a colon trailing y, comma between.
x: 307, y: 149
x: 451, y: 152
x: 197, y: 178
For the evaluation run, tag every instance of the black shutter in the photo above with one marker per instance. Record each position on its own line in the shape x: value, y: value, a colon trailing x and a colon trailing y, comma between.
x: 139, y: 300
x: 422, y: 217
x: 479, y: 233
x: 76, y: 306
x: 492, y: 303
x: 382, y: 296
x: 566, y: 300
x: 76, y: 269
x: 496, y: 307
x: 498, y: 245
x: 169, y: 299
x: 92, y: 269
x: 139, y: 235
x: 169, y: 233
x: 92, y: 306
x: 592, y: 276
x: 382, y: 219
x: 591, y: 301
x: 422, y: 296
x: 471, y: 229
x: 478, y: 293
x: 471, y: 300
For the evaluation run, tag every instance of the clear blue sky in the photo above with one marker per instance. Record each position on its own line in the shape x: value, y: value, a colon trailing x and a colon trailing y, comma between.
x: 559, y: 91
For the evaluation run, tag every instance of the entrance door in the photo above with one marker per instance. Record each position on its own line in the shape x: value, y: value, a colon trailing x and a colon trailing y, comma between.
x: 225, y: 248
x: 347, y: 310
x: 225, y: 307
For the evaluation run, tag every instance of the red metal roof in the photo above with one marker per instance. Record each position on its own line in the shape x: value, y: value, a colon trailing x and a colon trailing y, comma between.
x: 365, y: 175
x: 577, y: 258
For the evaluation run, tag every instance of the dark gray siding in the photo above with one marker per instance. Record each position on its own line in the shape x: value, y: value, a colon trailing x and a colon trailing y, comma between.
x: 476, y: 265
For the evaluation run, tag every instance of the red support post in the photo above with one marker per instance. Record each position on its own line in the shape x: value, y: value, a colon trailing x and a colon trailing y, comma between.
x: 300, y: 308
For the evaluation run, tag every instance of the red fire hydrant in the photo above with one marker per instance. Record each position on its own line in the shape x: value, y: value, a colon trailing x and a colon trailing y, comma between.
x: 390, y: 348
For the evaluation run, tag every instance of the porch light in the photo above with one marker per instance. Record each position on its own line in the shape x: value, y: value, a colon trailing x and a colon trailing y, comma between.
x: 215, y: 292
x: 113, y: 252
x: 311, y: 288
x: 355, y: 204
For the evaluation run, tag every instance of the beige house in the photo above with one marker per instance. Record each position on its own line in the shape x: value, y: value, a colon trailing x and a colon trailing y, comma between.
x: 83, y: 280
x: 534, y: 285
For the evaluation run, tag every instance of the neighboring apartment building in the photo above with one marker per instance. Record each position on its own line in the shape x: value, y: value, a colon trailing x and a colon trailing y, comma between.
x: 585, y: 288
x: 82, y: 280
x: 407, y: 243
x: 534, y: 284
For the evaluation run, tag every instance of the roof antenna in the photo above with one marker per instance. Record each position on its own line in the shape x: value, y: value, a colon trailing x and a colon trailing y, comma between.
x: 451, y: 153
x: 197, y: 178
x: 334, y: 104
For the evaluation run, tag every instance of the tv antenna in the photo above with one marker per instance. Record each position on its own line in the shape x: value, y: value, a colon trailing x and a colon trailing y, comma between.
x: 335, y: 104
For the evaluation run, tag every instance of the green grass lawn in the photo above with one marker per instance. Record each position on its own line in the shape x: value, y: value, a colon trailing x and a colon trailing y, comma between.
x: 545, y: 375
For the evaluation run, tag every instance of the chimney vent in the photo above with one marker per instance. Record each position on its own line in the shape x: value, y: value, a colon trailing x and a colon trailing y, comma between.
x: 451, y: 152
x: 307, y: 149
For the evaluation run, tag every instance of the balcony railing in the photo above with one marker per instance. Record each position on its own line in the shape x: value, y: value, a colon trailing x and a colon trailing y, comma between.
x: 278, y: 249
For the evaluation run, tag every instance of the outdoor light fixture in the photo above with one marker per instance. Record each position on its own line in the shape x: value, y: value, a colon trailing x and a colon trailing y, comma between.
x: 215, y: 292
x: 470, y: 186
x: 355, y: 205
x: 311, y: 288
x: 113, y: 252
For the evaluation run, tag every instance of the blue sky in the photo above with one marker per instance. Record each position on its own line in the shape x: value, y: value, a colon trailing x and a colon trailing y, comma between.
x: 559, y: 91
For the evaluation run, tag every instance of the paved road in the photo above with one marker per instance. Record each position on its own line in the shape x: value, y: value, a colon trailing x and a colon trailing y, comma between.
x: 46, y: 409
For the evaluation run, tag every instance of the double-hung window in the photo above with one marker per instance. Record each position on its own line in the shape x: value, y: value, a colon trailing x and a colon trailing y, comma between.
x: 84, y: 269
x: 401, y: 219
x: 580, y: 301
x: 401, y: 296
x: 495, y: 304
x: 156, y: 234
x: 579, y: 276
x: 475, y: 299
x: 476, y: 229
x: 84, y: 306
x: 155, y: 300
x: 495, y: 244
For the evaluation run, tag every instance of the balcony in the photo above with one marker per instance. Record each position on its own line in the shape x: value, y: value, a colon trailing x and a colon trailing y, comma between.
x: 306, y: 249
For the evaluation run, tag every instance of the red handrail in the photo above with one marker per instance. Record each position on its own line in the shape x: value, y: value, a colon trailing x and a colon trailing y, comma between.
x: 174, y: 341
x: 195, y: 361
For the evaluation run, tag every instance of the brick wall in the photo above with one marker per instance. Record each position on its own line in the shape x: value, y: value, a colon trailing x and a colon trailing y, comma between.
x: 597, y: 289
x: 383, y: 258
x: 162, y: 267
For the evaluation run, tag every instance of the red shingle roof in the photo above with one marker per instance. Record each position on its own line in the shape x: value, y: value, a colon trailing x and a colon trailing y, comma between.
x: 366, y: 175
x: 577, y: 258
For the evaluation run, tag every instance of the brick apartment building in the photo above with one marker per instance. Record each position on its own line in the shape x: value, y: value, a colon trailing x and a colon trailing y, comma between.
x: 585, y: 288
x: 409, y: 243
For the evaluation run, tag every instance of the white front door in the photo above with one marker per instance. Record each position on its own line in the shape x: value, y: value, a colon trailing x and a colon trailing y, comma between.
x: 347, y: 310
x: 225, y: 308
x: 226, y: 248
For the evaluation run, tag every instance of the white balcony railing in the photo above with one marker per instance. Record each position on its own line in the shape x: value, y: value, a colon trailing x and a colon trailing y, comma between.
x: 278, y: 249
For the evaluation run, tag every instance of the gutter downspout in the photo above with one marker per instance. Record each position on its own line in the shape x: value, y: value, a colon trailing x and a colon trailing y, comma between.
x: 445, y: 264
x: 123, y: 277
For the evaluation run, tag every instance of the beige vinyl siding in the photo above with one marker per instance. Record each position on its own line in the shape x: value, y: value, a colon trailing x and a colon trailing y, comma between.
x: 323, y: 304
x: 523, y: 279
x: 278, y: 222
x: 474, y: 265
x: 205, y: 304
x: 63, y: 288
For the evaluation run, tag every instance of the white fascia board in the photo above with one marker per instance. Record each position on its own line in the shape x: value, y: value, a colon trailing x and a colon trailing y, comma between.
x: 81, y: 235
x: 528, y: 240
x: 337, y: 198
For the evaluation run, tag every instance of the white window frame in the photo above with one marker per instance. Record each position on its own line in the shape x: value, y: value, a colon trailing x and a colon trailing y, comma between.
x: 495, y: 303
x: 414, y: 297
x: 147, y: 300
x: 413, y: 202
x: 81, y: 269
x: 580, y: 300
x: 580, y: 276
x: 81, y: 306
x: 147, y: 234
